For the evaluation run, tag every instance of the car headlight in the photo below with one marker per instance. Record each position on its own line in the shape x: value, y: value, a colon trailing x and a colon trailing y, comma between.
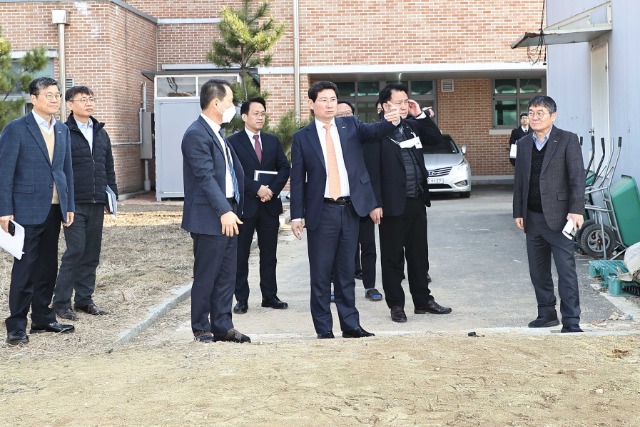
x: 463, y: 166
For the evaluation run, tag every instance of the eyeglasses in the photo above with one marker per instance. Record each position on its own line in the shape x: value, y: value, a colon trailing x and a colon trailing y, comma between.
x: 260, y: 115
x: 401, y: 102
x: 327, y: 101
x: 537, y: 114
x: 53, y: 96
x: 86, y: 101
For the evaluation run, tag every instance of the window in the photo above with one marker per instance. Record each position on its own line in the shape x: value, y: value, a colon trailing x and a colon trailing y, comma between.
x: 363, y: 95
x: 511, y: 98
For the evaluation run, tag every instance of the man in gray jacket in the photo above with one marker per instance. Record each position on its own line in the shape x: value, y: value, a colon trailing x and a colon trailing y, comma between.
x: 549, y: 185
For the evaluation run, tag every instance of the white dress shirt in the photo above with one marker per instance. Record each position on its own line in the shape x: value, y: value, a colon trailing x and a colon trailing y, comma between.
x: 344, y: 177
x: 228, y: 191
x: 87, y: 131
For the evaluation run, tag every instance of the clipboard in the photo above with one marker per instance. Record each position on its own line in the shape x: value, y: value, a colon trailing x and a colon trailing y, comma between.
x: 264, y: 177
x: 13, y: 242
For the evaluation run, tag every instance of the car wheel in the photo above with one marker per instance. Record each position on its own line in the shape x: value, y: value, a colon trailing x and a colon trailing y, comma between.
x: 592, y: 241
x: 465, y: 194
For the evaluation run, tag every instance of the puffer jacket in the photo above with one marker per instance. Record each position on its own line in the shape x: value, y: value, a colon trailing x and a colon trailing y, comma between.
x: 92, y: 172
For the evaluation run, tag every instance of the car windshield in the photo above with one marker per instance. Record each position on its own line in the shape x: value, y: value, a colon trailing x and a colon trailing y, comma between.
x: 445, y: 146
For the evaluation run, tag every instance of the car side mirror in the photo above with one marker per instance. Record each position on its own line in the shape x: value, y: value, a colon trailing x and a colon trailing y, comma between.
x: 464, y: 149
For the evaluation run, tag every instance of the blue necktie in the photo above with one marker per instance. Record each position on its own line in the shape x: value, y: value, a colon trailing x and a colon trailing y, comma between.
x: 234, y: 180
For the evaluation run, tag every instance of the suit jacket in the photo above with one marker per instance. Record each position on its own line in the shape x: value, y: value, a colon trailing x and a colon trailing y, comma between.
x: 204, y: 171
x: 518, y: 133
x: 27, y: 174
x: 273, y: 159
x: 387, y: 166
x: 309, y: 173
x: 562, y: 178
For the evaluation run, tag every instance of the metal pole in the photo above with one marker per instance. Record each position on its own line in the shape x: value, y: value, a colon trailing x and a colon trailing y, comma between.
x: 296, y: 59
x: 62, y: 71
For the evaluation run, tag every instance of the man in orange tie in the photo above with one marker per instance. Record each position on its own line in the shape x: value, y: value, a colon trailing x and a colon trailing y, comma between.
x: 330, y: 190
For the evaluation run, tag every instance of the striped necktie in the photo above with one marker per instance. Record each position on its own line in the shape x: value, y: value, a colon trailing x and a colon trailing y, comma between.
x: 234, y: 180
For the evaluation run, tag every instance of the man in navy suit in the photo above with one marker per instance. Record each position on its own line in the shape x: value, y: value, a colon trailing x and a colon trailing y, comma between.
x: 523, y: 130
x: 259, y: 151
x: 213, y: 185
x: 548, y: 191
x: 36, y: 191
x: 330, y: 190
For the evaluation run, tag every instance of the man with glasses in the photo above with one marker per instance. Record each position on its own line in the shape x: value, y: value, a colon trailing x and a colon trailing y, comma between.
x: 36, y: 191
x: 402, y: 191
x: 549, y: 185
x: 259, y: 152
x: 93, y: 171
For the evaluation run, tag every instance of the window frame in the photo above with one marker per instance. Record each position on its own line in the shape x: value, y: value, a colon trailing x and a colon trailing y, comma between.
x: 518, y: 97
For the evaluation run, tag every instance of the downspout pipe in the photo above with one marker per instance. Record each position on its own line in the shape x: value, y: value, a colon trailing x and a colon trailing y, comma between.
x: 296, y: 58
x: 59, y: 18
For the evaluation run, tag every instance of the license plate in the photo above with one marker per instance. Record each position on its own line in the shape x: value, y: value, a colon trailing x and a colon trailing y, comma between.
x: 435, y: 180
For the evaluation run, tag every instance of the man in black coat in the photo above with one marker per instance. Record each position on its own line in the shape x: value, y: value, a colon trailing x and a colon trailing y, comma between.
x: 262, y: 152
x: 518, y: 133
x: 93, y: 171
x: 399, y: 180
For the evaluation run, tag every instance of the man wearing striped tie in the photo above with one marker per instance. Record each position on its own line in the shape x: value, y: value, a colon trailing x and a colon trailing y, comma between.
x: 213, y: 186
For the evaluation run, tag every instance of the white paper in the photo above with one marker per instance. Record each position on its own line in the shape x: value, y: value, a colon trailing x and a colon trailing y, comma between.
x: 112, y: 201
x: 569, y: 230
x: 410, y: 143
x: 513, y: 151
x: 13, y: 244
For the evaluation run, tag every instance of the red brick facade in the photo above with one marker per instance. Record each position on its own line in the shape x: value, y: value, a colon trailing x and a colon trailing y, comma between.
x: 109, y: 44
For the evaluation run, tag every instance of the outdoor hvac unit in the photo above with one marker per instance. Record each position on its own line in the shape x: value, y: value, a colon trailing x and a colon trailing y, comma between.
x: 446, y: 85
x: 69, y: 82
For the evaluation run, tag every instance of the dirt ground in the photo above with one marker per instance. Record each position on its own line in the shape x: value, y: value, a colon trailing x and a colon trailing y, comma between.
x: 404, y: 378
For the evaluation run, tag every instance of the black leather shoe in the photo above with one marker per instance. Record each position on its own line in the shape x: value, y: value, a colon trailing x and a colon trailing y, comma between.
x: 432, y: 307
x: 56, y: 327
x: 65, y: 313
x: 358, y: 275
x: 17, y: 337
x: 274, y: 302
x: 325, y: 335
x: 232, y: 335
x: 356, y: 333
x: 241, y: 307
x: 203, y: 336
x: 398, y: 314
x: 571, y: 328
x: 544, y: 322
x: 92, y: 309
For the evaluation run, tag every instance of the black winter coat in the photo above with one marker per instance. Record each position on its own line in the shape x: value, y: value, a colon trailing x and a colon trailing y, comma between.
x: 92, y: 172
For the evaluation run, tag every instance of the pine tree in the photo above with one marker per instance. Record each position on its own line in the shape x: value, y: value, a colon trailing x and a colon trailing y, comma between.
x: 14, y: 80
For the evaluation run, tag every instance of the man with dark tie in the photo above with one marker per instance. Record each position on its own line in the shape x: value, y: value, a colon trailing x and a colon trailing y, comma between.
x: 36, y: 191
x: 213, y: 185
x: 519, y: 132
x: 331, y: 190
x: 262, y: 152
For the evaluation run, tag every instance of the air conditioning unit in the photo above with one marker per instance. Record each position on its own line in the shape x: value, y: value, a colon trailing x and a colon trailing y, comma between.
x: 69, y: 82
x: 446, y: 85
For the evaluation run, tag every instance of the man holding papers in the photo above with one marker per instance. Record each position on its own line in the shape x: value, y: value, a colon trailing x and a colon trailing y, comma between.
x: 262, y: 159
x: 36, y: 191
x: 93, y: 173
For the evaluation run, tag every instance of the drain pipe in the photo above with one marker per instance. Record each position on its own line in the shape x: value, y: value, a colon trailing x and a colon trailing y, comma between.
x: 296, y: 58
x: 147, y: 181
x: 59, y: 17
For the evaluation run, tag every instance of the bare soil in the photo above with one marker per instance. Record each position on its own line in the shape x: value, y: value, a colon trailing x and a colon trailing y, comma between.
x: 413, y: 378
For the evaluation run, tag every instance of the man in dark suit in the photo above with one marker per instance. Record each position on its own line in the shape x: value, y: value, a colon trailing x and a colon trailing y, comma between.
x: 259, y: 151
x: 213, y: 186
x: 36, y: 191
x: 330, y: 190
x: 548, y: 192
x: 519, y: 132
x: 402, y: 191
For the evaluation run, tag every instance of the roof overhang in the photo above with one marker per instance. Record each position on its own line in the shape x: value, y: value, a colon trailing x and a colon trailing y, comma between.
x: 581, y: 28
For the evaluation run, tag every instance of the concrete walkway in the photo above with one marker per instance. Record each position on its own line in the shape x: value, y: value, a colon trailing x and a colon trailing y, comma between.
x: 478, y: 265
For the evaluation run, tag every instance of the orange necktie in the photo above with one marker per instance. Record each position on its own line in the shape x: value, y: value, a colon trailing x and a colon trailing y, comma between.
x: 333, y: 174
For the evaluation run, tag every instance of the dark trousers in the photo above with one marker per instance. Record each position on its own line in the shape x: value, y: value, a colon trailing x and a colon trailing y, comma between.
x: 332, y: 248
x: 214, y: 279
x: 80, y: 260
x: 267, y: 226
x: 542, y: 242
x: 401, y: 237
x: 366, y: 252
x: 34, y: 276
